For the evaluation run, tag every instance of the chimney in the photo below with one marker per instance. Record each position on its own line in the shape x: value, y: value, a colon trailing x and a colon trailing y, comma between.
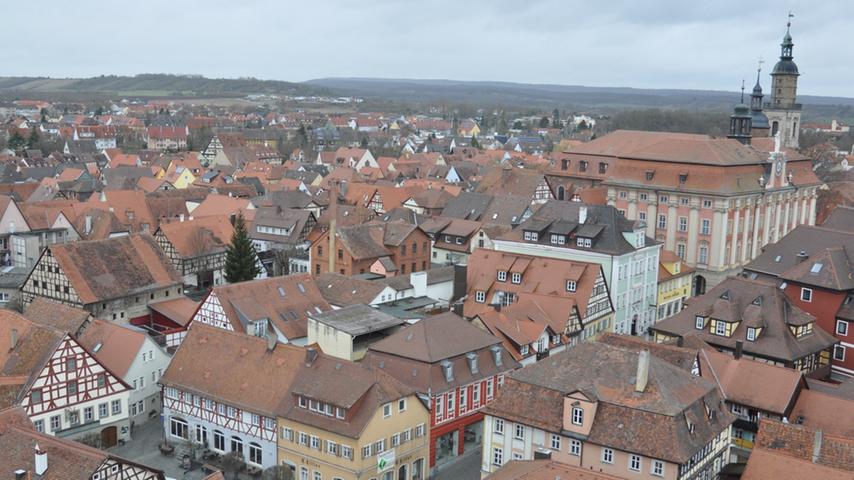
x: 816, y: 447
x: 333, y: 227
x: 582, y: 215
x: 802, y: 255
x: 643, y: 371
x: 680, y: 341
x: 739, y: 346
x: 418, y: 280
x: 14, y: 338
x: 181, y: 217
x: 310, y: 356
x: 41, y: 461
x: 271, y: 342
x: 20, y: 474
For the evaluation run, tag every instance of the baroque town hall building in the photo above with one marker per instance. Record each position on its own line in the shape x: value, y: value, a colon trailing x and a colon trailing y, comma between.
x: 716, y: 202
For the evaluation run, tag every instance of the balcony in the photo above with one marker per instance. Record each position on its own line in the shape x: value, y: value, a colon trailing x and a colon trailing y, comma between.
x: 743, y: 443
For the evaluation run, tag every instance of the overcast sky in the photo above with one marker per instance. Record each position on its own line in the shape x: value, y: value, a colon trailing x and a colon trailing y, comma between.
x: 662, y: 44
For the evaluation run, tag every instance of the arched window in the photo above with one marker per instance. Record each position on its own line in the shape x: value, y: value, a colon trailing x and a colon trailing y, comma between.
x: 775, y: 127
x: 255, y: 453
x: 219, y: 441
x: 178, y: 427
x: 561, y: 193
x: 237, y: 445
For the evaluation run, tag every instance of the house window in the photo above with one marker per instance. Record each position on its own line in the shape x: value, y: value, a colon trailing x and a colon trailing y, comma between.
x: 570, y: 285
x: 255, y: 454
x: 699, y: 322
x: 657, y: 468
x: 607, y: 455
x: 683, y: 224
x: 575, y: 447
x: 662, y: 221
x: 464, y: 398
x: 71, y: 387
x: 237, y: 445
x: 498, y: 426
x: 386, y: 410
x: 475, y: 395
x: 88, y: 414
x: 842, y: 328
x: 502, y: 276
x: 577, y: 416
x: 516, y: 278
x: 720, y: 328
x: 39, y: 425
x: 315, y: 442
x: 178, y: 428
x: 751, y: 334
x: 839, y: 352
x: 662, y: 199
x: 806, y: 294
x: 635, y: 463
x: 401, y: 405
x: 497, y: 456
x: 707, y: 204
x: 706, y: 227
x: 103, y: 410
x: 556, y: 442
x: 520, y: 431
x: 55, y: 423
x: 116, y: 407
x: 480, y: 297
x: 523, y: 350
x: 680, y: 251
x: 704, y: 254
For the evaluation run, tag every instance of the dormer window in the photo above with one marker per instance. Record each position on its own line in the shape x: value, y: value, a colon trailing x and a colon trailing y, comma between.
x: 603, y: 167
x: 532, y: 236
x: 683, y: 177
x: 725, y: 295
x: 448, y: 370
x: 650, y: 174
x: 720, y: 328
x: 480, y: 296
x: 558, y: 239
x: 472, y: 359
x: 516, y: 278
x: 259, y: 328
x: 699, y: 322
x: 502, y: 276
x: 571, y: 285
x: 751, y: 334
x: 583, y: 242
x: 577, y: 416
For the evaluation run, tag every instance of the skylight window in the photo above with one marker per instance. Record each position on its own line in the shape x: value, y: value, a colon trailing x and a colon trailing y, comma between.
x: 778, y: 258
x: 816, y: 268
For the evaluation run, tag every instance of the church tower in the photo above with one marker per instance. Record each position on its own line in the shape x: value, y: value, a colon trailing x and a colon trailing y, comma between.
x: 784, y: 114
x: 740, y: 121
x: 759, y: 122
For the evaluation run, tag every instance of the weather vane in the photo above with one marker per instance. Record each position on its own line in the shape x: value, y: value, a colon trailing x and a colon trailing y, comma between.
x: 791, y: 16
x: 761, y: 61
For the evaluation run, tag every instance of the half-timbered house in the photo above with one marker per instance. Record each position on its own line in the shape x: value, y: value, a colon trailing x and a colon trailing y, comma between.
x: 277, y: 306
x: 457, y: 367
x: 27, y: 453
x: 537, y: 305
x: 222, y: 390
x: 60, y: 384
x: 113, y: 279
x: 197, y: 249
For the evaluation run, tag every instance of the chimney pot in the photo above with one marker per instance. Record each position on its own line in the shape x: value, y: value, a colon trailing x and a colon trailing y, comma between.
x: 20, y: 474
x: 642, y: 376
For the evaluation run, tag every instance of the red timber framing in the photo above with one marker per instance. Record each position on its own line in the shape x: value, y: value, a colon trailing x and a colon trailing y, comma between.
x: 71, y: 376
x: 219, y: 413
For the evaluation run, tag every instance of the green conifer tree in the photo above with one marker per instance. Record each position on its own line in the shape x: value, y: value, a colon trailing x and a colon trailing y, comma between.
x: 240, y: 264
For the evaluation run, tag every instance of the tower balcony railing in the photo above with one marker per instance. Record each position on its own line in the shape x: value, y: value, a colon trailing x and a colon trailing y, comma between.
x: 787, y: 106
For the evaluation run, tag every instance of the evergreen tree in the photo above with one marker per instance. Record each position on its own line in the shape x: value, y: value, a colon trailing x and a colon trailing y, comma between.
x: 240, y: 263
x: 16, y: 141
x: 544, y: 122
x: 475, y: 143
x: 33, y: 140
x: 556, y: 118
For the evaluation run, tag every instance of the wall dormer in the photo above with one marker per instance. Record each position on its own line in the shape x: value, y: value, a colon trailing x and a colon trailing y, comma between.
x: 578, y: 413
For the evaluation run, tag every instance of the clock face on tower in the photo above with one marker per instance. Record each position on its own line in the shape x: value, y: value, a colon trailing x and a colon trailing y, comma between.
x: 779, y: 167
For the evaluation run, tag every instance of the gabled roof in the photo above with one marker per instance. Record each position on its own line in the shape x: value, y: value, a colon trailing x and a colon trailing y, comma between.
x: 797, y: 451
x: 285, y: 301
x: 57, y: 315
x: 114, y: 268
x: 750, y: 383
x: 342, y: 290
x: 200, y: 236
x: 115, y: 346
x: 436, y: 338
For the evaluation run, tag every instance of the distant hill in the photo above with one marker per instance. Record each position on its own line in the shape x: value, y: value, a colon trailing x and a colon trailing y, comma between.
x: 155, y: 85
x: 563, y: 96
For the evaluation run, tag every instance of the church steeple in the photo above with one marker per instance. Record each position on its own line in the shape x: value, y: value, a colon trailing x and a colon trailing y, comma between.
x: 740, y: 121
x: 756, y: 96
x: 759, y: 122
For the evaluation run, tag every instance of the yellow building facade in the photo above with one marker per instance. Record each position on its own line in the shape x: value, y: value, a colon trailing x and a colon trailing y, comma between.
x: 675, y: 281
x: 393, y: 444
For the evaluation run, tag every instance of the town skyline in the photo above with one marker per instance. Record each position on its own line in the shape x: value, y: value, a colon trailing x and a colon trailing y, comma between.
x: 697, y: 48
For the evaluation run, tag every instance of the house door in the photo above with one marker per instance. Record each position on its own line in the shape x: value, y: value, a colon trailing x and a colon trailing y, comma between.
x: 401, y: 472
x: 635, y: 324
x: 109, y: 437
